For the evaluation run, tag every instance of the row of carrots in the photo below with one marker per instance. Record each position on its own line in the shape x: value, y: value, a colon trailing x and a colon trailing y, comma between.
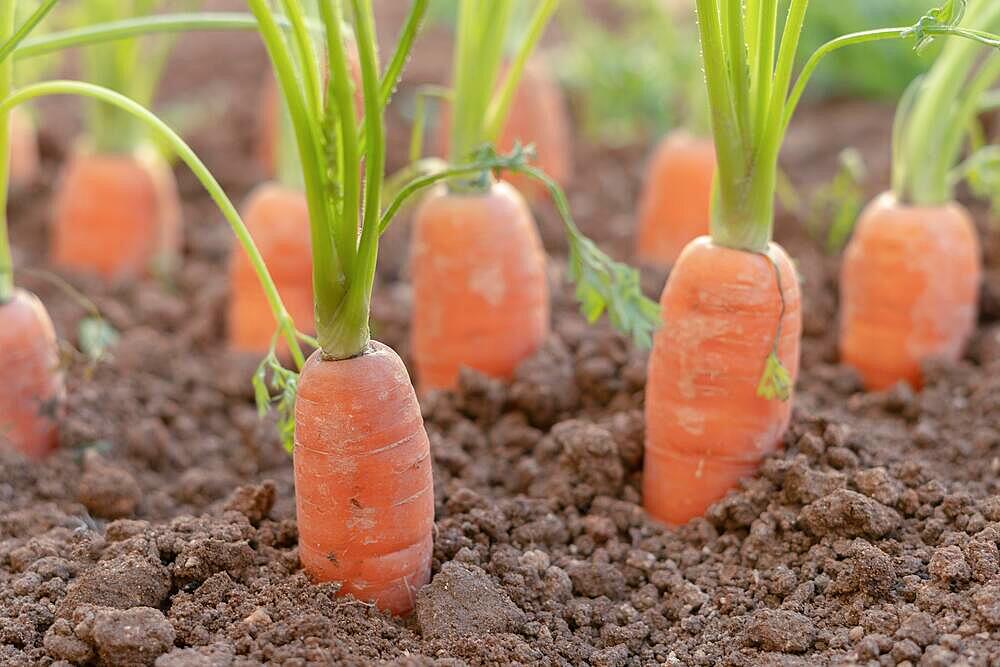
x: 723, y: 365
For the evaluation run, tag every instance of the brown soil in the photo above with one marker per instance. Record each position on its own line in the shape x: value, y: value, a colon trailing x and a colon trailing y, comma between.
x: 164, y: 530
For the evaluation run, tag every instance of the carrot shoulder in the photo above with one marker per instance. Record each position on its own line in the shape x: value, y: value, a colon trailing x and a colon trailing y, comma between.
x: 278, y: 220
x: 706, y: 426
x: 363, y: 482
x: 480, y: 294
x: 115, y: 215
x: 909, y: 288
x: 674, y: 208
x: 30, y: 401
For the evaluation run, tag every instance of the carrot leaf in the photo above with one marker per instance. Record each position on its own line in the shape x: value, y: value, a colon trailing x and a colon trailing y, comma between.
x: 602, y: 284
x: 96, y: 336
x: 275, y: 387
x: 776, y: 382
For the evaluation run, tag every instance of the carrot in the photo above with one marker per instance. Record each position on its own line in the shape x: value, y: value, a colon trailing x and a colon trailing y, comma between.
x: 927, y: 310
x: 538, y: 117
x: 23, y: 149
x: 674, y: 206
x: 722, y: 371
x: 115, y: 215
x: 364, y: 491
x: 278, y: 219
x: 480, y: 292
x: 362, y: 460
x: 706, y: 424
x: 29, y: 404
x: 116, y: 211
x: 917, y: 233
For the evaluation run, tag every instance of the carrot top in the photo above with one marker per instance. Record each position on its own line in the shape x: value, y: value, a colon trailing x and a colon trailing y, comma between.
x: 748, y: 70
x: 935, y: 115
x: 132, y: 66
x: 480, y: 101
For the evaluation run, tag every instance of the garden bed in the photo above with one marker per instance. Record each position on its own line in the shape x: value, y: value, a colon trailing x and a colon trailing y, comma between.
x: 872, y: 537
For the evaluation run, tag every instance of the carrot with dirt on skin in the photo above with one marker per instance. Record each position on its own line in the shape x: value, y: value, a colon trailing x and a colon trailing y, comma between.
x: 480, y: 291
x: 116, y: 211
x: 918, y: 233
x: 722, y: 371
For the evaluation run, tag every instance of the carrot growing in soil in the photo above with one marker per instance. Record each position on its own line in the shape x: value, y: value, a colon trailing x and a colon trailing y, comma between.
x: 362, y: 460
x: 30, y: 403
x: 480, y: 291
x: 917, y: 233
x: 722, y: 371
x: 116, y: 211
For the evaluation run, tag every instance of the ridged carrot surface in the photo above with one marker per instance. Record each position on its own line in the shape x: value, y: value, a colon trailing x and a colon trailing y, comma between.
x: 909, y: 286
x: 706, y: 427
x: 33, y: 388
x: 363, y: 481
x: 23, y: 149
x: 278, y: 220
x: 115, y: 215
x: 675, y: 205
x: 480, y: 293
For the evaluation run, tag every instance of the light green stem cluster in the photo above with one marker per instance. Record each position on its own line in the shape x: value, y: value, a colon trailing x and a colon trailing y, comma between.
x: 931, y: 129
x: 480, y: 101
x: 752, y: 100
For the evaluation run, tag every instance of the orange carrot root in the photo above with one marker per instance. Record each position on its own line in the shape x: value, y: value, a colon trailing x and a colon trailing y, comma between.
x: 278, y: 220
x: 538, y: 116
x: 480, y: 294
x: 909, y: 288
x: 29, y: 404
x: 363, y: 483
x: 116, y: 215
x: 706, y: 428
x: 24, y: 160
x: 676, y: 198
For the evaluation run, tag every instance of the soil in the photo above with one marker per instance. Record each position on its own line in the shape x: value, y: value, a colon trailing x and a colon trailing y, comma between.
x: 163, y: 531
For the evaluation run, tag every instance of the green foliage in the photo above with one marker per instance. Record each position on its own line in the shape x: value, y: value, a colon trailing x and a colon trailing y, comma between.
x: 96, y: 336
x: 275, y: 387
x: 834, y: 208
x: 775, y: 382
x: 652, y: 83
x: 880, y: 71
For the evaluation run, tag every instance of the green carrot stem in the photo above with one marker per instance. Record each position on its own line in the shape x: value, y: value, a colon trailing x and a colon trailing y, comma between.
x: 499, y: 108
x: 7, y: 10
